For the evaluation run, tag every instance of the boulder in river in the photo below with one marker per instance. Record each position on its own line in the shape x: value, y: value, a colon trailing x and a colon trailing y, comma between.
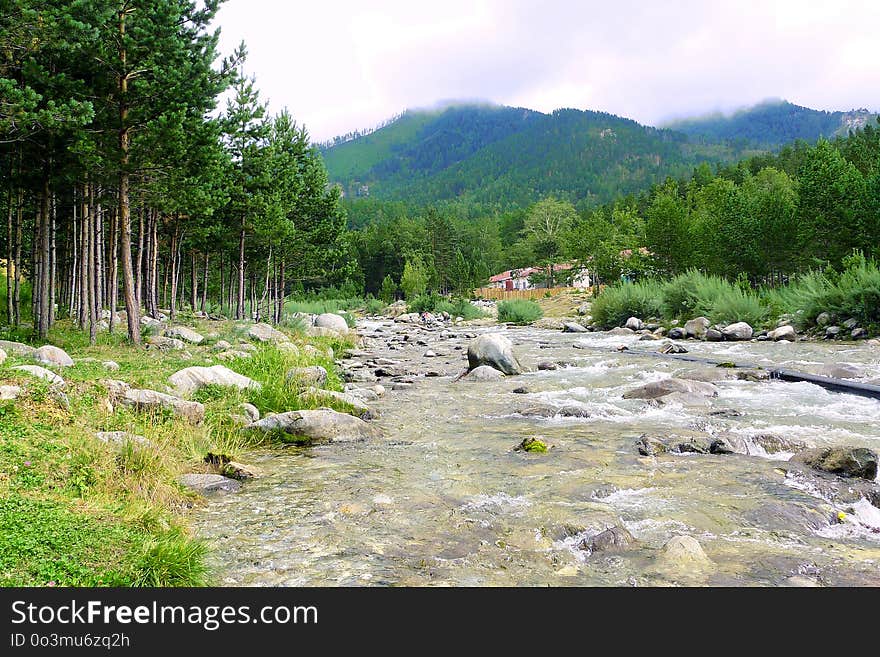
x: 532, y: 446
x: 737, y: 331
x: 573, y: 327
x: 714, y: 335
x: 239, y: 471
x: 684, y: 552
x: 855, y: 462
x: 188, y: 380
x: 650, y: 446
x: 785, y: 332
x: 355, y: 401
x: 263, y: 332
x: 613, y: 539
x: 671, y: 348
x: 494, y: 350
x: 484, y: 373
x: 42, y: 373
x: 634, y: 324
x: 51, y: 355
x: 676, y: 333
x: 185, y: 334
x: 209, y: 483
x: 332, y: 321
x: 621, y: 330
x: 317, y: 427
x: 841, y: 371
x: 697, y: 327
x: 657, y: 389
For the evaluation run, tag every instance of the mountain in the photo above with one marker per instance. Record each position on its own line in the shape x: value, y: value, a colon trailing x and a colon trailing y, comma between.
x: 773, y: 123
x: 505, y: 155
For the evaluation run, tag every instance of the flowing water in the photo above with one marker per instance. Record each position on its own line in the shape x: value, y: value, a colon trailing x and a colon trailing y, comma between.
x: 444, y: 499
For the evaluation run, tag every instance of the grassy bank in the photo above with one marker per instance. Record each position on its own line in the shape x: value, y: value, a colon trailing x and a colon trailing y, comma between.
x: 76, y: 511
x: 853, y: 293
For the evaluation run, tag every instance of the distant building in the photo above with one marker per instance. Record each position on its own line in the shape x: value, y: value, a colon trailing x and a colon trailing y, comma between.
x: 523, y: 279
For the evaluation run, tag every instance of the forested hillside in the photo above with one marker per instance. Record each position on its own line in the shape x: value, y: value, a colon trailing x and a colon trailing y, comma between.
x: 772, y: 124
x: 512, y: 156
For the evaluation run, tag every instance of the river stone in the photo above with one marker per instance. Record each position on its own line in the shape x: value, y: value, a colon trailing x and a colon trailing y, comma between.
x: 650, y: 446
x: 8, y: 393
x: 547, y: 366
x: 221, y: 345
x: 671, y: 348
x: 786, y: 332
x: 573, y: 327
x: 657, y: 389
x: 484, y: 373
x: 209, y: 483
x: 119, y: 438
x: 857, y: 462
x: 684, y: 399
x: 188, y: 380
x: 697, y: 327
x: 737, y: 331
x: 831, y: 332
x: 684, y: 552
x: 621, y: 330
x: 788, y: 516
x: 714, y: 335
x: 185, y: 334
x: 152, y: 400
x: 676, y: 334
x: 307, y: 376
x: 50, y: 355
x: 265, y: 333
x: 494, y: 350
x: 240, y: 471
x: 332, y: 321
x: 165, y: 344
x: 584, y: 308
x: 613, y: 539
x: 289, y: 348
x: 851, y: 323
x: 320, y: 426
x: 17, y: 349
x: 232, y: 354
x: 2, y: 356
x: 841, y: 371
x: 42, y: 373
x: 859, y: 334
x: 635, y: 324
x: 356, y: 402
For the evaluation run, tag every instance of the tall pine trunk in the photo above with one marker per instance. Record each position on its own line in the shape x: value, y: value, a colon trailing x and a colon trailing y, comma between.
x: 239, y: 311
x: 42, y: 315
x: 205, y: 286
x: 113, y: 284
x: 10, y: 260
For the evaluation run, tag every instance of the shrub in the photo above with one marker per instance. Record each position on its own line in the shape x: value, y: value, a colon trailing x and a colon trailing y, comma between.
x: 459, y: 308
x: 617, y: 304
x: 424, y: 303
x: 519, y: 311
x: 735, y: 305
x: 374, y: 307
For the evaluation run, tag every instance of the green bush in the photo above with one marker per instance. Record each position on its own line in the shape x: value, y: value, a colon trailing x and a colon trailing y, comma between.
x: 374, y: 307
x: 735, y: 305
x: 615, y: 305
x: 519, y: 311
x: 424, y: 303
x: 459, y: 308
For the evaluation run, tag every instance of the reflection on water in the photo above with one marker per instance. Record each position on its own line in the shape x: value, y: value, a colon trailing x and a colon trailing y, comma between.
x: 444, y: 499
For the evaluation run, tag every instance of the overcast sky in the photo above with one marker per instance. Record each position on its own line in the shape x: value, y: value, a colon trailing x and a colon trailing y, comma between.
x: 342, y: 65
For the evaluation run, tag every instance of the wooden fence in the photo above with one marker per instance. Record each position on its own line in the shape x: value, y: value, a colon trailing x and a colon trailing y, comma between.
x: 537, y: 293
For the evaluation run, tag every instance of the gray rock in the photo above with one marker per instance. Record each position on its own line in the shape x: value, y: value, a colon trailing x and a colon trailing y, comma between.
x: 240, y: 471
x: 265, y: 333
x: 119, y: 438
x: 684, y: 552
x: 786, y: 332
x: 657, y: 389
x: 648, y: 337
x: 50, y: 355
x: 494, y: 350
x: 332, y: 321
x: 613, y: 539
x: 2, y: 356
x: 356, y: 402
x: 314, y: 375
x: 41, y: 373
x: 547, y: 366
x: 323, y: 332
x: 250, y: 411
x: 233, y: 354
x: 185, y: 334
x: 676, y: 334
x: 841, y: 371
x: 520, y: 391
x: 859, y: 334
x: 17, y: 349
x: 634, y: 324
x: 152, y: 401
x: 221, y: 345
x: 188, y: 380
x: 165, y: 344
x: 209, y: 483
x: 111, y: 365
x: 584, y: 308
x: 671, y: 348
x: 150, y: 322
x: 573, y: 327
x: 697, y: 327
x: 854, y: 462
x: 317, y: 427
x: 832, y: 332
x: 713, y: 335
x: 8, y: 393
x: 851, y: 323
x: 824, y: 319
x: 484, y: 373
x: 650, y: 446
x: 737, y: 331
x: 621, y: 330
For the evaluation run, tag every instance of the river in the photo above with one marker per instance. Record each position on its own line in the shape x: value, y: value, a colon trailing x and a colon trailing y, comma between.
x: 444, y: 500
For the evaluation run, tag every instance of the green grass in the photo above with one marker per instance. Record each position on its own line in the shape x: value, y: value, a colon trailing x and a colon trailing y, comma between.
x: 519, y: 311
x: 436, y: 303
x: 615, y: 305
x: 78, y: 512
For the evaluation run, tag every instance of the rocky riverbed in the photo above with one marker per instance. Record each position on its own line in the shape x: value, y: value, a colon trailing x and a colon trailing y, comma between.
x: 642, y: 482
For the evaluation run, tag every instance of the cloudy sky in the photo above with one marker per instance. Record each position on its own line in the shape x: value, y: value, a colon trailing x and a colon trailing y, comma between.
x: 342, y: 65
